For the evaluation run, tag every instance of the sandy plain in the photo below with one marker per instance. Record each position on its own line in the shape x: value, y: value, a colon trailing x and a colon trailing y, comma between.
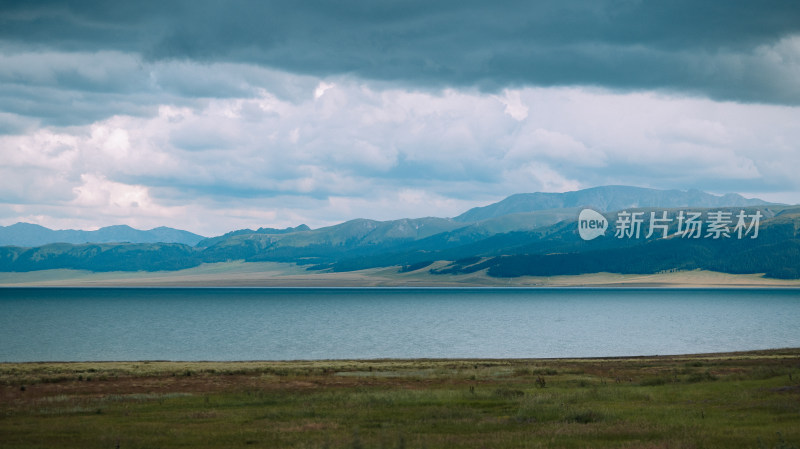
x: 269, y: 274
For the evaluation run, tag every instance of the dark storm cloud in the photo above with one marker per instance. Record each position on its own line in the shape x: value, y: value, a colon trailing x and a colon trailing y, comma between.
x: 734, y: 49
x: 74, y: 88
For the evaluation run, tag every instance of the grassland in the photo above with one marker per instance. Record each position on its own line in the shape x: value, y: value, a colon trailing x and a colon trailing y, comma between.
x: 738, y: 400
x: 272, y: 274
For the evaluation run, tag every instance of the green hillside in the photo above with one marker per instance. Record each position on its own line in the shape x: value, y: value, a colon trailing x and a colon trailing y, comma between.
x: 542, y: 242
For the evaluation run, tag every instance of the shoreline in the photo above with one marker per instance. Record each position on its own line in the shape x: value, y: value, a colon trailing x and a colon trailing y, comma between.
x: 272, y: 274
x: 769, y: 353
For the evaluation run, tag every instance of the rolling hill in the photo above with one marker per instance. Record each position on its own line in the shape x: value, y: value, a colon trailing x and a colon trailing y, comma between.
x: 525, y: 234
x: 605, y: 199
x: 26, y: 234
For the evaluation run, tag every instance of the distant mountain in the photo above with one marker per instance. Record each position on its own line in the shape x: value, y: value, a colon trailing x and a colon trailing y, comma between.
x: 100, y: 257
x: 605, y: 199
x: 31, y: 235
x: 544, y: 251
x: 558, y: 250
x: 205, y: 243
x: 776, y: 253
x: 527, y: 234
x: 348, y: 239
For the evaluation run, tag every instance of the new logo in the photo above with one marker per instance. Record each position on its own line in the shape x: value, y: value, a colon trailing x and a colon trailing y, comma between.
x: 591, y: 224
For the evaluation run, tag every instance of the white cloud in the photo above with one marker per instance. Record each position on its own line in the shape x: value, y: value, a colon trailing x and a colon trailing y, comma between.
x: 392, y: 205
x: 321, y: 88
x: 289, y: 149
x: 109, y: 199
x: 97, y: 191
x: 538, y: 177
x: 513, y: 103
x: 537, y: 143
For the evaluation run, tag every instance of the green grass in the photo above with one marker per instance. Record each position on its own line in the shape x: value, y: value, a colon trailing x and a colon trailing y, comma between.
x: 742, y: 400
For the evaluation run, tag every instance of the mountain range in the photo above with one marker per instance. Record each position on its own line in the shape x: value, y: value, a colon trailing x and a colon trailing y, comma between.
x: 606, y: 198
x: 26, y: 234
x: 524, y: 234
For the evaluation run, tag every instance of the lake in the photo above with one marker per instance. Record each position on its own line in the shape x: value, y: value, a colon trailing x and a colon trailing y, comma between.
x: 94, y: 324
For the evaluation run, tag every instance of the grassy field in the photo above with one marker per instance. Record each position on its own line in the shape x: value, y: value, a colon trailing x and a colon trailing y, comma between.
x: 739, y: 400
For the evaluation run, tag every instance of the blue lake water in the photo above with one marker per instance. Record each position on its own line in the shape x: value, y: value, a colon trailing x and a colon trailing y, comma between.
x: 91, y: 324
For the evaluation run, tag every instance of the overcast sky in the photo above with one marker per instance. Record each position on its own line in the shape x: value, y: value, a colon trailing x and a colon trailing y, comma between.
x: 214, y: 116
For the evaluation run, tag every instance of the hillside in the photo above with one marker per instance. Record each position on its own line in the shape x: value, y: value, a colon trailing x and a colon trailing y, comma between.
x: 26, y: 234
x: 776, y: 252
x: 605, y: 199
x: 512, y: 241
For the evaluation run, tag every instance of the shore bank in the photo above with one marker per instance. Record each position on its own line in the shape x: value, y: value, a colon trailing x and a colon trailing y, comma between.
x: 269, y: 274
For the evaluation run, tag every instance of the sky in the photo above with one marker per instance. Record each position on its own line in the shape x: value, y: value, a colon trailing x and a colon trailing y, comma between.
x: 212, y: 116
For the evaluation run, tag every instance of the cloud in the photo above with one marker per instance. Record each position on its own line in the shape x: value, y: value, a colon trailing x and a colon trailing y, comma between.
x: 513, y: 103
x: 116, y: 198
x: 728, y: 50
x: 211, y: 116
x: 538, y: 177
x: 366, y: 150
x: 75, y: 88
x: 532, y: 142
x: 321, y: 88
